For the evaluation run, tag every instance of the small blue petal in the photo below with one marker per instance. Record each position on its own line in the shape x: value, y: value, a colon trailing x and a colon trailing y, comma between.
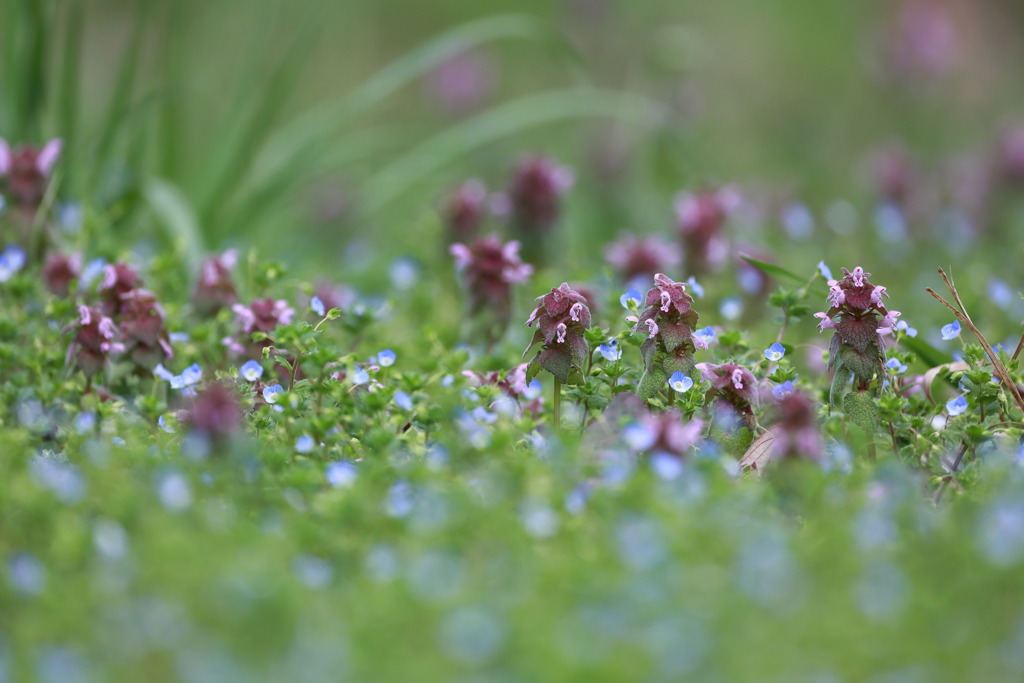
x: 775, y: 352
x: 951, y: 331
x: 386, y: 358
x: 957, y: 406
x: 731, y: 308
x: 825, y: 271
x: 896, y: 365
x: 12, y: 259
x: 610, y: 350
x: 272, y: 393
x: 250, y: 371
x: 402, y: 400
x: 679, y: 382
x: 631, y: 295
x: 360, y: 376
x: 783, y: 390
x: 163, y: 373
x: 316, y: 305
x: 705, y: 334
x: 304, y: 444
x: 695, y: 287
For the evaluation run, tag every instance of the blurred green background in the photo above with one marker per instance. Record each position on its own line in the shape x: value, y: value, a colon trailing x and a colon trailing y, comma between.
x: 321, y: 133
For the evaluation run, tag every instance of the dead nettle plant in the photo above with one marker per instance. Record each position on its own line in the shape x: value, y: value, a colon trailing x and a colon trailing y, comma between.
x: 857, y: 350
x: 562, y: 318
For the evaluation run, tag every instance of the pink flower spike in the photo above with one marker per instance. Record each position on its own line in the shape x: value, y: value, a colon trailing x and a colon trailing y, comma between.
x: 84, y: 315
x: 560, y: 331
x: 858, y: 277
x: 48, y: 156
x: 463, y: 256
x: 574, y: 312
x: 653, y: 327
x: 737, y: 379
x: 666, y: 299
x: 826, y: 322
x: 699, y: 342
x: 5, y: 157
x: 876, y: 295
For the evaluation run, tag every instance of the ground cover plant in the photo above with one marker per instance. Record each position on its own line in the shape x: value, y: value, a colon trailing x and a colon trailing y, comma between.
x: 497, y: 364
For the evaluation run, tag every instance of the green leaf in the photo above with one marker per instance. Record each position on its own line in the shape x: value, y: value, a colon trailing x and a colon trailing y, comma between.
x: 777, y: 272
x: 860, y: 408
x: 174, y: 213
x: 839, y: 383
x: 930, y: 355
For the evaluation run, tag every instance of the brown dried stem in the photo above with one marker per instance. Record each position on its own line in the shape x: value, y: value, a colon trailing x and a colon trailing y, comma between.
x: 965, y: 319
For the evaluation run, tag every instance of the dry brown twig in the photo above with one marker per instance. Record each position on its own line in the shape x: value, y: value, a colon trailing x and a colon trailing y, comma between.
x: 966, y: 321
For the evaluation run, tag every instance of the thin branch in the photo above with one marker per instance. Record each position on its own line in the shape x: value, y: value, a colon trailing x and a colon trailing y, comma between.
x: 962, y: 316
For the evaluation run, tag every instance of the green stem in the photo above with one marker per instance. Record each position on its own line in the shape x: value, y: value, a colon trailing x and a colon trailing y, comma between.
x: 558, y: 405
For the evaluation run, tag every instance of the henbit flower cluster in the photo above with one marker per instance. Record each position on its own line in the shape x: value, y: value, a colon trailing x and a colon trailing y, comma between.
x: 668, y: 321
x: 25, y: 173
x: 489, y: 269
x: 96, y: 339
x: 700, y: 221
x: 634, y: 257
x: 562, y: 317
x: 262, y: 315
x: 137, y: 313
x: 215, y: 288
x: 860, y: 320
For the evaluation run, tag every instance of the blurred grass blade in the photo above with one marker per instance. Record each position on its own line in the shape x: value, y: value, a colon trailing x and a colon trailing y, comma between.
x: 292, y: 147
x: 229, y: 163
x: 124, y: 84
x: 777, y: 272
x: 68, y: 116
x: 499, y: 122
x: 174, y: 213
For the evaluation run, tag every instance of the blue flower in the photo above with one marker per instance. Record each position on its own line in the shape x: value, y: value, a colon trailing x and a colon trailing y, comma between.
x: 695, y: 287
x: 272, y: 393
x: 12, y: 259
x: 631, y: 295
x: 164, y: 426
x: 360, y: 376
x: 679, y: 382
x: 91, y: 271
x: 402, y: 400
x: 190, y: 376
x: 775, y: 352
x: 825, y: 271
x: 163, y: 373
x: 533, y: 390
x: 610, y: 350
x: 731, y: 308
x: 250, y: 371
x: 341, y: 474
x: 304, y: 444
x: 705, y: 335
x: 951, y: 331
x: 896, y: 365
x: 902, y: 326
x: 386, y: 358
x: 957, y: 406
x: 317, y: 306
x: 638, y: 437
x: 783, y: 390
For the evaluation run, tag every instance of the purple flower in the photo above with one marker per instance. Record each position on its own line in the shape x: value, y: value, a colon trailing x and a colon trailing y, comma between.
x: 561, y: 317
x: 464, y: 211
x: 488, y: 270
x: 797, y: 434
x: 860, y: 320
x: 96, y: 339
x: 60, y: 271
x: 215, y: 413
x: 700, y: 219
x: 215, y: 289
x: 632, y: 257
x: 668, y: 321
x: 28, y: 170
x: 731, y: 383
